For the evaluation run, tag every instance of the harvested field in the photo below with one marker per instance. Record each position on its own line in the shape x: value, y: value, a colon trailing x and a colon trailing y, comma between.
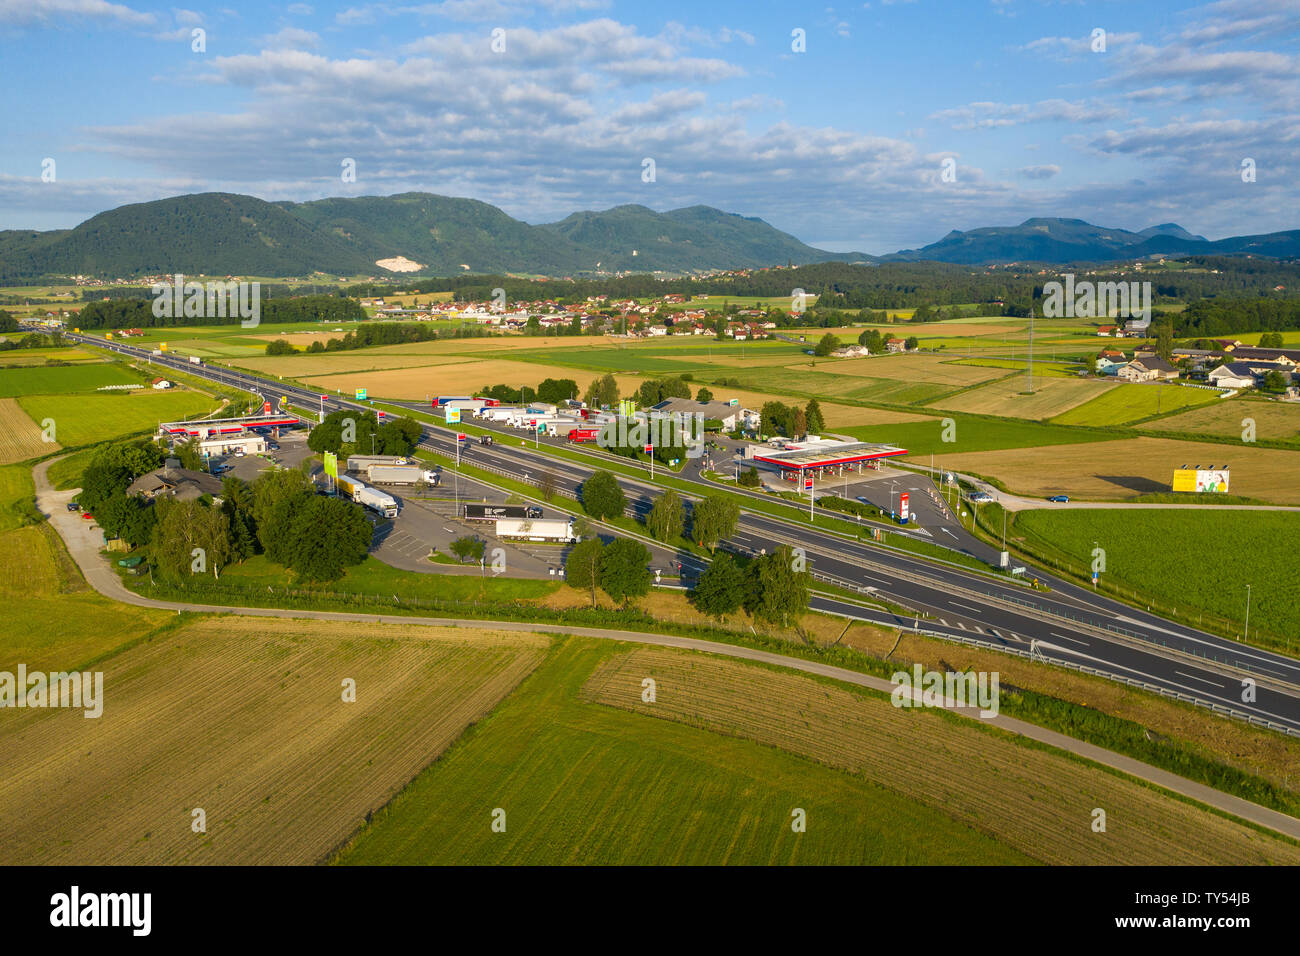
x: 1052, y: 395
x: 939, y: 369
x: 243, y: 717
x: 1133, y: 466
x: 1273, y: 420
x: 1031, y: 799
x: 461, y: 378
x: 20, y: 437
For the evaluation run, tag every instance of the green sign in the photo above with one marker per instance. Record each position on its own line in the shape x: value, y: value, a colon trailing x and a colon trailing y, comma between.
x: 361, y: 395
x: 331, y: 464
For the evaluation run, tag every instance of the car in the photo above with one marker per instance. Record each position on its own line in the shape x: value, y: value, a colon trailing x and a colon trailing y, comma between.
x: 88, y: 516
x: 1061, y: 498
x: 74, y: 506
x: 534, y: 512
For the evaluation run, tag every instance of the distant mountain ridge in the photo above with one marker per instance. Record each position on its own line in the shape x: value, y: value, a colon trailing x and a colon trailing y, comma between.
x: 228, y: 233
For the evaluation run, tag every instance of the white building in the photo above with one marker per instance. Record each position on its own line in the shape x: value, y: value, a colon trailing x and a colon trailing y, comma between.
x: 250, y: 443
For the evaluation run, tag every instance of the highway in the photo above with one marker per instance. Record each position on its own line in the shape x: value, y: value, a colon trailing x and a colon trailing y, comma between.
x: 1069, y: 624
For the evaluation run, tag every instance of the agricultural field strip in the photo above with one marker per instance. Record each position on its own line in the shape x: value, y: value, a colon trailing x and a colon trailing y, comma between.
x: 20, y: 437
x: 1020, y: 794
x: 269, y: 761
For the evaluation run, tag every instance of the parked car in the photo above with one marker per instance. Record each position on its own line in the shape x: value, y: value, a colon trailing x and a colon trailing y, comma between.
x: 1061, y: 498
x: 534, y: 512
x: 88, y: 516
x: 74, y: 506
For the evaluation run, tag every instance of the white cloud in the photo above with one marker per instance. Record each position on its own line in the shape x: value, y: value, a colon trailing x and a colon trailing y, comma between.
x: 58, y: 12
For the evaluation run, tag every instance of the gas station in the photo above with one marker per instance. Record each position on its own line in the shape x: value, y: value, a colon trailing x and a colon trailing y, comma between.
x: 823, y: 459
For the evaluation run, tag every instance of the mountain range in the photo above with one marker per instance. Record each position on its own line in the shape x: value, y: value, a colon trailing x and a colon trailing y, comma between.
x: 231, y: 234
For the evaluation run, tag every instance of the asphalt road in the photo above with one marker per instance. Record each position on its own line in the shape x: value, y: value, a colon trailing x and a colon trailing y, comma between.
x: 1069, y: 624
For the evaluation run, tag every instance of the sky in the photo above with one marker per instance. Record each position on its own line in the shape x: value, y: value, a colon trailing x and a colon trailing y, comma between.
x: 833, y: 123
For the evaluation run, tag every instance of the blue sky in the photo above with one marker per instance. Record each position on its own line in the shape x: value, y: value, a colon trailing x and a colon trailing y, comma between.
x: 841, y: 144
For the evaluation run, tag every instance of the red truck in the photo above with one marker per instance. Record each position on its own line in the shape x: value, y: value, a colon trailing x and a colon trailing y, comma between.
x: 583, y: 434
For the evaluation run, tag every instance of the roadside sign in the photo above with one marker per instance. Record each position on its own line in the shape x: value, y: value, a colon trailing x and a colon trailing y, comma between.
x: 902, y: 506
x: 807, y: 482
x: 1094, y: 578
x: 453, y: 415
x: 381, y: 414
x: 461, y: 437
x: 266, y: 408
x: 361, y: 395
x: 649, y: 449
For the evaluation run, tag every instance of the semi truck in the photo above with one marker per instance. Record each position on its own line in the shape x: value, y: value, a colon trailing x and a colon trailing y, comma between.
x: 560, y: 426
x: 195, y: 360
x: 583, y: 434
x: 372, y: 498
x: 536, y: 529
x: 362, y: 462
x: 395, y: 474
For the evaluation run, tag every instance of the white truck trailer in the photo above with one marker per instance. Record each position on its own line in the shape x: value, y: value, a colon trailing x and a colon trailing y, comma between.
x: 536, y: 529
x: 372, y: 498
x: 395, y: 474
x: 362, y: 462
x: 562, y: 426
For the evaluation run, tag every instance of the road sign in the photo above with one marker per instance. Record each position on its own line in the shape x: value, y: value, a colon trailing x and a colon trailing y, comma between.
x: 649, y: 449
x: 902, y: 506
x: 381, y: 414
x: 266, y: 408
x: 1094, y: 578
x: 807, y: 482
x: 453, y: 415
x: 461, y: 437
x: 361, y: 395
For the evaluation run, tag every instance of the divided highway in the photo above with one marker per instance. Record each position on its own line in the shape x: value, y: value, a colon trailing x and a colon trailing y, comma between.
x: 1070, y: 624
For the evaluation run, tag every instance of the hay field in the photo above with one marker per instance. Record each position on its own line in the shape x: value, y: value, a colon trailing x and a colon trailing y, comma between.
x: 243, y: 717
x: 1051, y: 397
x: 20, y: 437
x: 1035, y: 801
x: 939, y: 369
x: 1273, y: 420
x: 582, y: 783
x: 1128, y: 467
x: 1131, y: 401
x: 83, y: 419
x: 337, y: 363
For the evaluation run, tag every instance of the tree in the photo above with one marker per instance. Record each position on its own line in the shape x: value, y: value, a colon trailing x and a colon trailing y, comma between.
x: 237, y: 505
x: 873, y: 340
x: 183, y: 528
x: 468, y: 547
x: 602, y: 498
x: 813, y: 417
x: 189, y: 454
x: 798, y: 423
x: 582, y: 566
x: 279, y: 347
x: 557, y: 391
x: 624, y: 574
x: 912, y: 343
x: 277, y: 495
x: 1165, y: 341
x: 774, y: 418
x: 714, y: 519
x: 704, y: 395
x: 778, y: 593
x: 721, y: 589
x: 750, y: 478
x: 1269, y: 340
x: 326, y: 536
x: 826, y: 345
x: 399, y: 436
x: 667, y: 518
x: 126, y: 517
x: 547, y: 485
x: 1275, y: 381
x: 602, y: 392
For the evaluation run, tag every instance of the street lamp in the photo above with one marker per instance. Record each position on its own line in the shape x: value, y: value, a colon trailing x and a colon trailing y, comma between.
x: 1247, y: 637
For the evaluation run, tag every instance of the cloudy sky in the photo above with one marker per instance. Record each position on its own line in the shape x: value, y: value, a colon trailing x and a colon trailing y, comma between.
x: 831, y: 122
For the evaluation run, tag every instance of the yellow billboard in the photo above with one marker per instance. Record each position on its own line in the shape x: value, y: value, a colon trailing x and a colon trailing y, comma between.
x: 1200, y: 480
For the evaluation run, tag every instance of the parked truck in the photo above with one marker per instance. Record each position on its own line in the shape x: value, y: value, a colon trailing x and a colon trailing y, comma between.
x: 584, y: 434
x: 395, y: 474
x: 372, y: 498
x: 536, y: 529
x: 498, y: 512
x: 195, y: 360
x: 362, y: 462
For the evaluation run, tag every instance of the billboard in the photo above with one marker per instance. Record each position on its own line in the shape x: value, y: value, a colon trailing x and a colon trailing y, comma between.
x: 902, y: 505
x: 1201, y: 480
x: 361, y: 395
x: 331, y: 464
x: 453, y: 414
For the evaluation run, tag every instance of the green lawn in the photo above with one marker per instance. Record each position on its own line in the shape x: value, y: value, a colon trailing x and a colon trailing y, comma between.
x: 1132, y: 402
x: 1190, y: 559
x: 63, y: 379
x: 972, y: 433
x: 582, y: 783
x: 86, y: 419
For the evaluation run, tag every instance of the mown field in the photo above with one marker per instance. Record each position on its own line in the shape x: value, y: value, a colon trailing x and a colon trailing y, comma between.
x: 244, y: 718
x: 583, y: 783
x: 63, y: 379
x: 1129, y: 402
x: 20, y: 437
x: 1007, y: 397
x: 940, y: 762
x: 1124, y: 468
x: 83, y: 419
x: 1226, y: 418
x: 971, y: 434
x: 1205, y: 562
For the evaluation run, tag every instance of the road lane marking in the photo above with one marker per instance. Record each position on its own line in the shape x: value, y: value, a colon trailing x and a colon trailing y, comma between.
x: 1201, y: 679
x: 964, y: 607
x: 1064, y: 638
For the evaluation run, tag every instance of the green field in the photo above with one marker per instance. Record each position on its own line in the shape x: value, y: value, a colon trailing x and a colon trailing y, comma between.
x: 582, y: 783
x: 1131, y: 402
x: 972, y: 433
x: 1190, y: 559
x: 87, y: 419
x: 64, y: 379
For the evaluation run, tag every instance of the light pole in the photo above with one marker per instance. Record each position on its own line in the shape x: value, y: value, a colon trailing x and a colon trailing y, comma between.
x: 1247, y: 637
